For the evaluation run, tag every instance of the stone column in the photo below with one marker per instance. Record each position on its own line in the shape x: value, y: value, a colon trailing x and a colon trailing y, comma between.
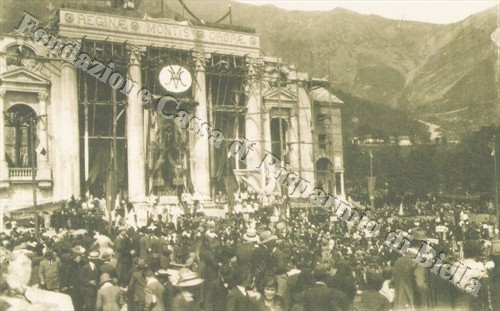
x: 69, y: 143
x: 294, y: 144
x: 199, y: 154
x: 306, y: 136
x: 4, y: 168
x: 43, y: 165
x: 253, y: 121
x: 135, y: 131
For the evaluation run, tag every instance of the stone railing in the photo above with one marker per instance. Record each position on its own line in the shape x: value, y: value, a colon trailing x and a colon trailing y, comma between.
x: 20, y: 174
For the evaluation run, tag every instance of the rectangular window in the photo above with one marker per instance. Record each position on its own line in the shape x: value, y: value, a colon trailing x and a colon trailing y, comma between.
x: 322, y: 141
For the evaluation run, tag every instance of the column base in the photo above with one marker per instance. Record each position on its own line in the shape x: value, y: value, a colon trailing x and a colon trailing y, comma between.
x: 141, y: 212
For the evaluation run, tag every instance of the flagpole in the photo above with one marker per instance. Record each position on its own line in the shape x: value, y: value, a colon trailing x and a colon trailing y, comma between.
x: 371, y: 164
x: 33, y: 174
x: 493, y: 141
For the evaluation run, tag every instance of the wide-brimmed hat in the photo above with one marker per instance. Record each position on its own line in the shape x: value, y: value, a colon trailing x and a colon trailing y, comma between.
x: 94, y: 255
x: 78, y: 250
x: 251, y: 235
x: 141, y: 263
x: 188, y: 278
x: 266, y: 237
x: 418, y: 234
x: 105, y: 278
x: 106, y: 254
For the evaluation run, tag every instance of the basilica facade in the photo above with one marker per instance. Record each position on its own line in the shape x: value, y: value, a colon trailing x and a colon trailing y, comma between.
x: 64, y: 132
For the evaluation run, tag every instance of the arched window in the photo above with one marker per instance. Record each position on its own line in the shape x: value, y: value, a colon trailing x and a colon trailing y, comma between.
x: 18, y: 139
x: 21, y: 56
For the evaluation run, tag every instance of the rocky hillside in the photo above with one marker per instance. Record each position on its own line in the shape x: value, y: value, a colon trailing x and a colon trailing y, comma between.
x: 439, y: 73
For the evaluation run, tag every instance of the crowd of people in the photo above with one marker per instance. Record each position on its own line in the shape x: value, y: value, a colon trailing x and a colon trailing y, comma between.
x: 254, y: 258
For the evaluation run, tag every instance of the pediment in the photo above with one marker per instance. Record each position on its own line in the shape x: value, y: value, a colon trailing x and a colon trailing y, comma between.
x: 276, y: 95
x: 24, y: 77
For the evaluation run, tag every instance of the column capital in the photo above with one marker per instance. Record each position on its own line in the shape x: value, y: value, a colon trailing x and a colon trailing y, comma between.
x: 255, y: 66
x: 135, y: 53
x: 200, y: 59
x: 43, y: 96
x: 68, y: 64
x: 2, y: 93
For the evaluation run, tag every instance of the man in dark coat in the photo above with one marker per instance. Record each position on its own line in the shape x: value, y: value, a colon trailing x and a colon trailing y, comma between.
x: 238, y: 298
x: 89, y: 280
x: 410, y: 279
x: 145, y: 245
x: 247, y: 247
x: 263, y: 264
x: 322, y: 298
x: 216, y: 298
x: 125, y: 252
x: 137, y: 285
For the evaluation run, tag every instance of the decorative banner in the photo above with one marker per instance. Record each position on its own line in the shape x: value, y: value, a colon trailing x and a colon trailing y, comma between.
x: 175, y: 79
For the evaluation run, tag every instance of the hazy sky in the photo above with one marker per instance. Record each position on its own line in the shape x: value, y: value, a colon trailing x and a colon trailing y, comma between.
x: 441, y: 12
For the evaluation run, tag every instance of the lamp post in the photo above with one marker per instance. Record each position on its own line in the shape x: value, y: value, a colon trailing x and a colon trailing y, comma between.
x: 31, y: 129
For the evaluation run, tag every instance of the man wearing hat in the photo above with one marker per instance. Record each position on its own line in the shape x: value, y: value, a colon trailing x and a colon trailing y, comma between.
x: 89, y: 278
x: 163, y: 276
x: 263, y: 262
x: 106, y: 266
x: 49, y: 272
x: 187, y: 299
x: 70, y: 281
x: 137, y: 285
x: 109, y: 296
x: 155, y: 293
x: 410, y: 279
x: 246, y: 248
x: 125, y: 252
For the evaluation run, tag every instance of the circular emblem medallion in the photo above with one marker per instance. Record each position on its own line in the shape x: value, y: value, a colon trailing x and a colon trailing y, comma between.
x: 69, y: 17
x: 175, y: 79
x: 135, y: 26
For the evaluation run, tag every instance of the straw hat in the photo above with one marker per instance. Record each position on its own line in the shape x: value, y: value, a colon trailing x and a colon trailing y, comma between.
x: 78, y: 250
x: 106, y: 254
x: 188, y: 278
x: 94, y: 255
x: 266, y: 237
x: 251, y: 235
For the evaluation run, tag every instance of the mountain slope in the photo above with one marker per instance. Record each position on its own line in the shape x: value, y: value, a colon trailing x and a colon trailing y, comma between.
x: 426, y: 69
